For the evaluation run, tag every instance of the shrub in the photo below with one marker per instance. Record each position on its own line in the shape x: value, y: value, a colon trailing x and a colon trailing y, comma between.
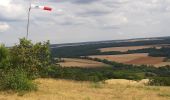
x: 31, y: 57
x: 150, y: 74
x: 4, y: 57
x: 16, y: 80
x: 160, y: 81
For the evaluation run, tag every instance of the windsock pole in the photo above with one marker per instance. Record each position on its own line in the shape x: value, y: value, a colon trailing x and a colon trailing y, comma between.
x: 28, y: 21
x: 29, y: 13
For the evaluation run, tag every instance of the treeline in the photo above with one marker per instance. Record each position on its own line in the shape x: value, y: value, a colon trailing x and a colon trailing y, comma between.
x: 163, y: 52
x: 154, y: 52
x: 157, y: 76
x: 93, y: 49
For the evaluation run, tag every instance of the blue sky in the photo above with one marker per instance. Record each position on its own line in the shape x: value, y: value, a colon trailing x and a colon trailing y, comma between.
x: 84, y: 20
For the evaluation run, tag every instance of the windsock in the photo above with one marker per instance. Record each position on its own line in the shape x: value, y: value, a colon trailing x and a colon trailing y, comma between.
x: 41, y: 7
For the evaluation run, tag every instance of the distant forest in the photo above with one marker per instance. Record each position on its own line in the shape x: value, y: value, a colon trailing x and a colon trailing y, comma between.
x: 92, y: 49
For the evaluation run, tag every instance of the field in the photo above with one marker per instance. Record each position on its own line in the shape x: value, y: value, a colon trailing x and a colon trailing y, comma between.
x: 126, y: 48
x: 73, y: 62
x: 50, y: 89
x: 137, y: 59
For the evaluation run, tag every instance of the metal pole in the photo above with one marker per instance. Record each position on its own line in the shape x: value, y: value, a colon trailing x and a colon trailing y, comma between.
x: 28, y: 21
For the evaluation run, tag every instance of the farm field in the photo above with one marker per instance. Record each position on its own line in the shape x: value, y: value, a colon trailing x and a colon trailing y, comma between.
x: 73, y: 62
x: 51, y: 89
x: 136, y: 59
x: 126, y: 48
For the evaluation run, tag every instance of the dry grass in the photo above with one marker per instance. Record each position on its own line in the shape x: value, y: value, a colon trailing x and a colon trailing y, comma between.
x: 136, y: 59
x: 73, y: 62
x: 122, y: 58
x: 50, y: 89
x: 127, y: 82
x: 126, y: 48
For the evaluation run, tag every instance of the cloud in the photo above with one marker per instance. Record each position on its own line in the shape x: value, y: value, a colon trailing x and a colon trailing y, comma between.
x: 4, y: 27
x: 11, y: 11
x: 4, y: 2
x: 75, y: 1
x: 86, y: 20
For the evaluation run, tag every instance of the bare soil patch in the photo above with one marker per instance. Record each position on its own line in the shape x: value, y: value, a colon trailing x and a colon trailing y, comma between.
x: 146, y: 60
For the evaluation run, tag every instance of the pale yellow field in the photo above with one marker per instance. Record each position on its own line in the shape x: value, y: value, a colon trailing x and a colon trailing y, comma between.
x: 122, y: 58
x: 50, y: 89
x: 136, y: 59
x: 126, y: 48
x: 73, y: 62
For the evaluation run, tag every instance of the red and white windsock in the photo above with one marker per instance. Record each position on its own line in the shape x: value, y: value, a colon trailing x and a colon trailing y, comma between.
x: 41, y: 7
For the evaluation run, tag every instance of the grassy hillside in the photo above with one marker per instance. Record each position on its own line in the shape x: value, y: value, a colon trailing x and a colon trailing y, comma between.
x: 50, y: 89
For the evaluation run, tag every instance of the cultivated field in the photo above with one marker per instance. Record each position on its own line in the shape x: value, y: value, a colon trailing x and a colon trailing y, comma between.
x: 73, y: 62
x: 137, y: 59
x: 50, y: 89
x: 126, y: 48
x: 122, y: 58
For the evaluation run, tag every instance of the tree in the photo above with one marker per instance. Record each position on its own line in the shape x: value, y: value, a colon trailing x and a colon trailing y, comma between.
x: 4, y: 57
x: 30, y: 57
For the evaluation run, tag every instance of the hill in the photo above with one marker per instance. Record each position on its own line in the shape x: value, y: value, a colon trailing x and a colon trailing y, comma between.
x: 93, y: 48
x: 157, y: 49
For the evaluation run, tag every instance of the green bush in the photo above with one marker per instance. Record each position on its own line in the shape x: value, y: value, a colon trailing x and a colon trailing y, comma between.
x: 31, y: 57
x: 16, y: 80
x: 160, y: 81
x: 22, y: 63
x: 4, y: 57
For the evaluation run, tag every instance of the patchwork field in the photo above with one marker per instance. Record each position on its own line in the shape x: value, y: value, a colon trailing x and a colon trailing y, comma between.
x: 73, y: 62
x: 50, y: 89
x: 126, y: 48
x: 137, y: 59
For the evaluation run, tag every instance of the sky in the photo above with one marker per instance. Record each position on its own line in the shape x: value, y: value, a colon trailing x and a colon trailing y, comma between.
x: 84, y: 20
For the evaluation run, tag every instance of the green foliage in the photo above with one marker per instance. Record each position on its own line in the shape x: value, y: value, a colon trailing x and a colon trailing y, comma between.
x: 3, y: 53
x: 154, y: 52
x: 93, y: 74
x: 21, y: 63
x: 31, y: 57
x: 16, y: 80
x: 117, y: 71
x: 4, y: 57
x: 160, y: 81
